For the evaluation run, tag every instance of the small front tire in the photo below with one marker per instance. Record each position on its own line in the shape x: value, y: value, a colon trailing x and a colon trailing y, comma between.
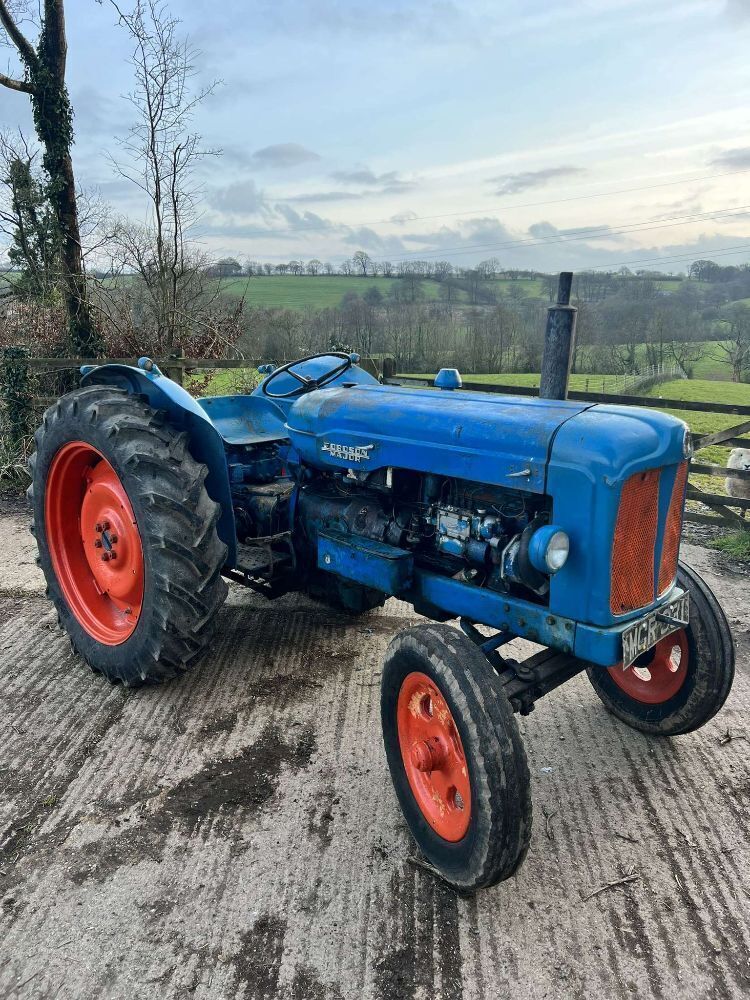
x: 455, y: 755
x: 684, y: 680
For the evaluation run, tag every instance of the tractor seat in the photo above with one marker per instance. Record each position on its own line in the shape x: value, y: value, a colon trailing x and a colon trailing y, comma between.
x: 243, y: 420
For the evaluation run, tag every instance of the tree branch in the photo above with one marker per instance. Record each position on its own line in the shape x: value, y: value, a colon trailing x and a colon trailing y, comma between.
x: 16, y: 36
x: 22, y: 86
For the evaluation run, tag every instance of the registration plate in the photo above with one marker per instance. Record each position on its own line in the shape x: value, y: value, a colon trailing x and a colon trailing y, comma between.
x: 639, y: 637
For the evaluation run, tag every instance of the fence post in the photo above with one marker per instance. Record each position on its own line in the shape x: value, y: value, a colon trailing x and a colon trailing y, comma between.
x: 177, y: 371
x: 15, y: 391
x: 559, y: 338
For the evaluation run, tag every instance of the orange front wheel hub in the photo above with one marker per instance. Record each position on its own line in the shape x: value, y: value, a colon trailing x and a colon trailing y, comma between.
x: 657, y: 676
x: 433, y: 756
x: 94, y: 543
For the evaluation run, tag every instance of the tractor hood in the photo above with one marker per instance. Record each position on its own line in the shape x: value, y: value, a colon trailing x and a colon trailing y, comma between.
x: 499, y: 440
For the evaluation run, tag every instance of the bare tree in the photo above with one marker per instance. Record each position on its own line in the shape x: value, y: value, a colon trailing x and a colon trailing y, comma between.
x: 363, y: 262
x: 27, y: 222
x: 160, y: 155
x: 735, y: 349
x: 42, y: 77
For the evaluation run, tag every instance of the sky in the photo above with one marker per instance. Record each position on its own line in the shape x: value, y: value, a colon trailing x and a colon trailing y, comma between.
x: 552, y: 135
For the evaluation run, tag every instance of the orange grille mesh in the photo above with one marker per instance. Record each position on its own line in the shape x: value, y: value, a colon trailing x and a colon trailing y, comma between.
x: 672, y: 530
x: 634, y: 542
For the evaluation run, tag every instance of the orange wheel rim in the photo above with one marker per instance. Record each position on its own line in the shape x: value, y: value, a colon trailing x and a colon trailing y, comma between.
x: 94, y: 543
x: 658, y: 675
x: 433, y: 757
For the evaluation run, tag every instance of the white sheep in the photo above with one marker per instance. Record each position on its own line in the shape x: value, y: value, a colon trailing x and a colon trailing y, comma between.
x: 739, y: 458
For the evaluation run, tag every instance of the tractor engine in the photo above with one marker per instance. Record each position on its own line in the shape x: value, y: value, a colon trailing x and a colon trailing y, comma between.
x: 460, y: 529
x: 467, y: 530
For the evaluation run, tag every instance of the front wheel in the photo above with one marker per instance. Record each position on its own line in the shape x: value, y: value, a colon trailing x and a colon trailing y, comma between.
x: 455, y: 756
x: 681, y: 683
x: 126, y: 534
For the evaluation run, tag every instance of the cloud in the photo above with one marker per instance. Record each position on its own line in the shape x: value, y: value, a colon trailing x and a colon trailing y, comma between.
x: 401, y: 218
x: 97, y: 116
x: 527, y: 179
x: 303, y: 220
x: 283, y: 155
x: 733, y: 159
x: 388, y: 183
x: 244, y: 197
x: 738, y: 10
x: 543, y: 230
x: 437, y: 21
x: 364, y: 238
x: 318, y: 196
x: 546, y: 231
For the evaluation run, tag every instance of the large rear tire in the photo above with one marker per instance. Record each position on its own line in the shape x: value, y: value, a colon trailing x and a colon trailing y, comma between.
x: 684, y: 680
x: 455, y: 756
x: 126, y: 534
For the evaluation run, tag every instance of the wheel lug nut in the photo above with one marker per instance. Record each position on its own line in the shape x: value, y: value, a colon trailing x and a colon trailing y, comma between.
x: 105, y: 557
x: 113, y: 539
x: 105, y: 525
x: 98, y: 527
x: 113, y: 555
x: 97, y: 543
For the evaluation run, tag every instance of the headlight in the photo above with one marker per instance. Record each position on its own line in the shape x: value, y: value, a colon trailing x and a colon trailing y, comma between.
x: 548, y: 549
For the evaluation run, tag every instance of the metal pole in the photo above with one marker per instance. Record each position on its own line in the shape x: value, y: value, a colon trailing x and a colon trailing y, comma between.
x: 559, y: 338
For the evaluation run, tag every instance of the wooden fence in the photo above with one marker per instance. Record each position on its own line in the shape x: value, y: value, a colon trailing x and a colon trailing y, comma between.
x: 728, y: 510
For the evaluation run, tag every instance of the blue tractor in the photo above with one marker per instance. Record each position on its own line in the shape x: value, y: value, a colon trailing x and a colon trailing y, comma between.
x: 555, y: 521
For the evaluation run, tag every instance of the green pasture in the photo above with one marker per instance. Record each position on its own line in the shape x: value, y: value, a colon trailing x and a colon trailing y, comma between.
x: 707, y: 391
x: 294, y: 291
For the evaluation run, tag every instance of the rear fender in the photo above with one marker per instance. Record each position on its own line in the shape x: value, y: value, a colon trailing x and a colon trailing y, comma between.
x: 184, y: 413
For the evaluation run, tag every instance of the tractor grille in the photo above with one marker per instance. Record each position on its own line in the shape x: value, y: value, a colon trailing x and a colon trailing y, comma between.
x: 672, y: 529
x: 633, y: 585
x: 633, y: 548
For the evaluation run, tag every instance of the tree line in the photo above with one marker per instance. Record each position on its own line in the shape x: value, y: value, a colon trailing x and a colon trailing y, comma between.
x: 625, y: 332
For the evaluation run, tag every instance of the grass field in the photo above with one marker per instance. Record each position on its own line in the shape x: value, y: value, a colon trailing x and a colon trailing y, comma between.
x: 707, y: 391
x: 298, y: 292
x: 302, y: 291
x: 714, y: 364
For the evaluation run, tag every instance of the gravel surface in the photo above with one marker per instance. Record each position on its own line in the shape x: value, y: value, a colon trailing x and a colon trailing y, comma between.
x: 234, y: 834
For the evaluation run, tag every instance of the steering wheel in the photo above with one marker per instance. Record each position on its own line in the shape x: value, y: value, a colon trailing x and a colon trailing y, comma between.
x: 308, y: 384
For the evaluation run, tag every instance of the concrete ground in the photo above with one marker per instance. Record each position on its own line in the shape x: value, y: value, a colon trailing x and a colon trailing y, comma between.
x: 234, y: 834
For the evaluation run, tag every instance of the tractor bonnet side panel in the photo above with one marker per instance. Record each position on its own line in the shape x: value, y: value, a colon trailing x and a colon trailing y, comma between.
x: 498, y: 440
